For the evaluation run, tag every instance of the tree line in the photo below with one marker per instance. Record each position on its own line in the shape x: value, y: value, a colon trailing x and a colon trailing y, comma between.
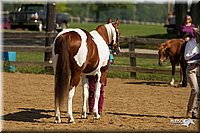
x: 147, y: 12
x: 101, y: 11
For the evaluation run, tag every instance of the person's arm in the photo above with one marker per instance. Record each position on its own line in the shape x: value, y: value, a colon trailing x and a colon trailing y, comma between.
x: 195, y: 57
x: 190, y: 50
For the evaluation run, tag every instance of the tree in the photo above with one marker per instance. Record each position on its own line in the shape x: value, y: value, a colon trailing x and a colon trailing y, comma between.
x: 151, y: 12
x: 180, y: 12
x: 195, y: 9
x: 110, y: 10
x: 10, y: 7
x: 62, y: 7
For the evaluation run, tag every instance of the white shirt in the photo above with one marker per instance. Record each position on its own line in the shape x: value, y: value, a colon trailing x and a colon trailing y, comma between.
x: 191, y: 50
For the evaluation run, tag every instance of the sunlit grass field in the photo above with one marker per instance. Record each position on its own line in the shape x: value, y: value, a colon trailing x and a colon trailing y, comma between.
x: 125, y: 30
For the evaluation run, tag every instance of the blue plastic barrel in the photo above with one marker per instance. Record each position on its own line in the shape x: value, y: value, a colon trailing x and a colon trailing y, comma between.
x: 10, y: 57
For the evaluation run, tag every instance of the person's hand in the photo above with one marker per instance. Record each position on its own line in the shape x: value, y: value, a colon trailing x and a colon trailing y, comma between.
x: 187, y: 38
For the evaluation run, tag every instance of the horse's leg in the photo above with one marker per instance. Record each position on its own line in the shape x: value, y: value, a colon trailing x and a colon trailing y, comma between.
x: 96, y: 97
x: 173, y: 73
x: 75, y: 78
x: 85, y: 85
x: 70, y: 97
x: 181, y: 74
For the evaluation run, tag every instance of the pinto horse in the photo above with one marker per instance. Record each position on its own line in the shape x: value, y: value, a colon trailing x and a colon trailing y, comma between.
x: 172, y: 49
x: 76, y: 53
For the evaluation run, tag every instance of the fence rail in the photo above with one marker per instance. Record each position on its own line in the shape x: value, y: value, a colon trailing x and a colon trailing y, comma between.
x: 132, y: 41
x: 27, y: 48
x: 25, y: 35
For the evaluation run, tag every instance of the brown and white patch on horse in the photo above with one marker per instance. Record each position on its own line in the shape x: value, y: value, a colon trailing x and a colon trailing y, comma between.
x: 77, y: 53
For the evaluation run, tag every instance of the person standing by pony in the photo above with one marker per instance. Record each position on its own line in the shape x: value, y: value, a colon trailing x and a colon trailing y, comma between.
x: 187, y: 27
x: 186, y: 33
x: 92, y: 84
x: 192, y: 56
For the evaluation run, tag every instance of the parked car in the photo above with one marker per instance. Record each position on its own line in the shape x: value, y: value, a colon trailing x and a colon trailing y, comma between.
x: 62, y: 20
x: 33, y: 16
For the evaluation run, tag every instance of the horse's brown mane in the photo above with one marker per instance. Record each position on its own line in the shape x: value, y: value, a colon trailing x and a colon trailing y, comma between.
x: 101, y: 29
x: 171, y: 42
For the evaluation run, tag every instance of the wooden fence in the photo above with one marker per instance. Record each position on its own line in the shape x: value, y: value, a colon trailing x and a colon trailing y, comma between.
x: 132, y: 41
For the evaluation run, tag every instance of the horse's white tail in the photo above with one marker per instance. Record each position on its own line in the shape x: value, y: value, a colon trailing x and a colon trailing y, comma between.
x: 62, y: 71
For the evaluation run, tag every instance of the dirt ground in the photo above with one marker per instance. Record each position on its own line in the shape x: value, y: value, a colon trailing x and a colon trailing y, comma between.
x: 130, y: 105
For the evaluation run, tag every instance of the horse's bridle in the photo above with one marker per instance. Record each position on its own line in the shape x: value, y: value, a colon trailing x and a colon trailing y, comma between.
x: 112, y: 46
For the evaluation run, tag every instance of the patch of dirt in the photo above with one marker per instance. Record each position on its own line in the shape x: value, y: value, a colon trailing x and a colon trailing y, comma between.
x: 130, y: 105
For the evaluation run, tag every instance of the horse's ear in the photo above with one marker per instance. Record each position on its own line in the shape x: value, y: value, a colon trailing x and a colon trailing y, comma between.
x: 109, y: 20
x: 117, y: 21
x: 161, y: 45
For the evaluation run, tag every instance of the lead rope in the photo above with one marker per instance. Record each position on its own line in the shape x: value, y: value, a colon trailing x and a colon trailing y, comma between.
x: 111, y: 56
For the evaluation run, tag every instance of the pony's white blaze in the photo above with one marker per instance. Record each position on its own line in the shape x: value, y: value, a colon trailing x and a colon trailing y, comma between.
x: 80, y: 57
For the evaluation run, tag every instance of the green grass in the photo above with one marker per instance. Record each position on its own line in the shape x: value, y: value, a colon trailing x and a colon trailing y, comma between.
x: 30, y: 56
x: 127, y: 29
x: 132, y: 30
x: 33, y: 57
x: 155, y: 31
x: 143, y: 63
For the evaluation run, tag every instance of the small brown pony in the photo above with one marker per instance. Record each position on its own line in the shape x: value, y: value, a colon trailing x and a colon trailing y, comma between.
x: 172, y: 49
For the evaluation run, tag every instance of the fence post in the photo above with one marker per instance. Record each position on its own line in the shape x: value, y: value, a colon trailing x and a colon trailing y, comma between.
x: 132, y: 55
x: 50, y: 26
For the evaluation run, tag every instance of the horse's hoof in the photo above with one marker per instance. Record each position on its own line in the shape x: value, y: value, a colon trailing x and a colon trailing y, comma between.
x: 57, y: 120
x: 97, y: 117
x: 71, y: 120
x: 84, y: 116
x: 171, y: 83
x: 181, y: 86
